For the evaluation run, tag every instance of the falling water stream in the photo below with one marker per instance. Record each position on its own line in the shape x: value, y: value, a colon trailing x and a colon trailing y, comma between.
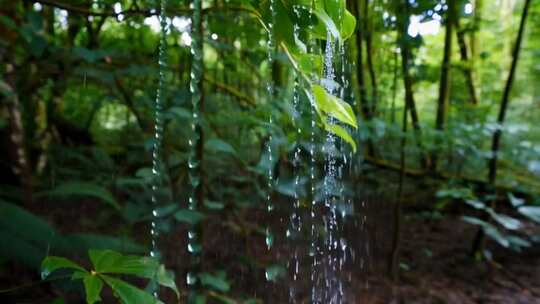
x: 327, y: 249
x: 194, y: 246
x: 270, y: 90
x: 157, y: 179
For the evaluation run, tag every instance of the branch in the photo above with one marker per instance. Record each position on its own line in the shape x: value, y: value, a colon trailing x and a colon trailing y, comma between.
x: 247, y: 100
x: 137, y: 11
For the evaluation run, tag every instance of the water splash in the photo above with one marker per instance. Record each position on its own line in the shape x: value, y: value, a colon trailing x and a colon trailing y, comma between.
x: 196, y: 48
x: 158, y: 135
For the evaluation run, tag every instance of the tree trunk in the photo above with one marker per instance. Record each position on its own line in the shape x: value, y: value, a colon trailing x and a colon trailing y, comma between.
x: 406, y: 55
x: 393, y: 266
x: 369, y: 59
x: 363, y: 106
x: 467, y: 62
x: 444, y: 84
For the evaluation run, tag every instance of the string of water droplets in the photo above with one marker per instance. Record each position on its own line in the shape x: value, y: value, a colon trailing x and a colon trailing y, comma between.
x: 158, y: 134
x: 194, y: 246
x: 270, y: 90
x: 295, y: 226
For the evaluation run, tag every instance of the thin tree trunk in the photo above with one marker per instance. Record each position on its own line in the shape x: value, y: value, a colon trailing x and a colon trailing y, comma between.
x: 369, y: 59
x: 393, y: 266
x: 496, y: 140
x: 466, y: 60
x: 364, y: 106
x: 444, y: 84
x: 407, y: 78
x: 394, y: 88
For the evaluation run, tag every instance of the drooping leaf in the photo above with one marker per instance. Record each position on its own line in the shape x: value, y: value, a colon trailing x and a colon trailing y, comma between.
x: 86, y: 241
x: 53, y: 263
x: 342, y: 133
x: 215, y: 281
x: 93, y: 286
x: 516, y: 202
x: 189, y: 216
x: 85, y: 189
x: 334, y: 106
x: 218, y: 145
x: 128, y: 293
x: 531, y: 212
x: 112, y: 262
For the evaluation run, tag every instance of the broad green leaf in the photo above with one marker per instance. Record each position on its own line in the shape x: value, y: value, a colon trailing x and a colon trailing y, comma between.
x: 53, y: 263
x: 93, y: 286
x: 128, y: 293
x: 506, y: 221
x: 516, y: 202
x: 531, y: 212
x: 216, y: 282
x: 25, y: 225
x: 341, y: 132
x: 218, y: 145
x: 310, y: 64
x: 189, y: 216
x: 476, y: 204
x: 334, y: 106
x: 489, y: 229
x: 87, y: 241
x: 348, y: 25
x: 328, y: 23
x: 85, y: 189
x: 108, y: 261
x: 166, y: 278
x: 211, y: 205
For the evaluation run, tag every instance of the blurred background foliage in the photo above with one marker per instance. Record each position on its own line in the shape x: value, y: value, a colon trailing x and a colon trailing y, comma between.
x: 77, y: 90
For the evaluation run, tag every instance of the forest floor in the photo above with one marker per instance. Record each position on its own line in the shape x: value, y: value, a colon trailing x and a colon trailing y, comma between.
x: 435, y: 265
x: 437, y: 268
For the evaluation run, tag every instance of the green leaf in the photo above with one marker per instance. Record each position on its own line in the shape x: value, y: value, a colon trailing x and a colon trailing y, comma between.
x: 218, y: 145
x: 341, y: 132
x: 329, y: 24
x: 334, y: 106
x: 310, y: 64
x: 189, y: 216
x: 93, y: 286
x: 516, y: 202
x: 217, y: 282
x: 53, y: 263
x: 128, y: 293
x: 87, y: 241
x: 86, y: 190
x: 211, y: 205
x: 274, y: 272
x: 166, y: 278
x: 489, y: 229
x: 108, y: 261
x: 531, y: 212
x: 474, y: 203
x: 348, y: 26
x: 506, y: 221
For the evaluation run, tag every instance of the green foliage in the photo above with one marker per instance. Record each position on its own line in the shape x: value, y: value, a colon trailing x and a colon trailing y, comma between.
x: 84, y: 189
x: 107, y: 262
